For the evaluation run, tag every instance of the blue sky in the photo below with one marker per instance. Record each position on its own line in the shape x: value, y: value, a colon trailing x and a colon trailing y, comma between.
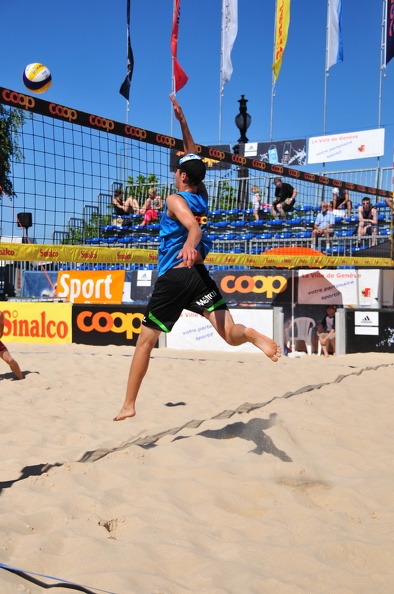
x: 84, y: 45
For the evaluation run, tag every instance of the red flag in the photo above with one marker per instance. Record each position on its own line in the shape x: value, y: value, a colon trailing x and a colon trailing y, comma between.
x: 180, y: 76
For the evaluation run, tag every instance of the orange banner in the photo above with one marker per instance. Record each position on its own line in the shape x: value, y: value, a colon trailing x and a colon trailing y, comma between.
x: 91, y: 286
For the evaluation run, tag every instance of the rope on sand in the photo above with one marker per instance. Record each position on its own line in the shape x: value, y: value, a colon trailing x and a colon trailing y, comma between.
x: 61, y: 583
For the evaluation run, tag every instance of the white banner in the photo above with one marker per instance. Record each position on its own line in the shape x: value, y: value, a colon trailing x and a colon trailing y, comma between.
x: 195, y: 332
x: 344, y: 147
x: 355, y: 288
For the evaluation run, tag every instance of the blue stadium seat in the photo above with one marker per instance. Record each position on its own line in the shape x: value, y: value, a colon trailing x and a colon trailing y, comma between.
x: 304, y: 208
x: 264, y: 236
x: 247, y: 236
x: 345, y: 233
x: 336, y: 250
x: 126, y: 239
x: 284, y: 235
x: 303, y: 235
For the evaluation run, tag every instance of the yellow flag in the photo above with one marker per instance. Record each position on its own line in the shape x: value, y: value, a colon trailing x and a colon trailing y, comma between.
x: 282, y: 21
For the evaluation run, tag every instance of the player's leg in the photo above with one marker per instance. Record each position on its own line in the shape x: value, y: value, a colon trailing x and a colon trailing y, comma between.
x: 237, y: 334
x: 7, y: 358
x: 138, y: 368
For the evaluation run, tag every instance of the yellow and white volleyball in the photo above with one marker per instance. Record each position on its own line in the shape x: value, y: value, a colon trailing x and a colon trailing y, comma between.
x: 37, y: 78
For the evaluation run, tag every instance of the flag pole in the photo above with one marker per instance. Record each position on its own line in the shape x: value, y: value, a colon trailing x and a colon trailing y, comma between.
x: 172, y: 85
x: 273, y: 75
x: 326, y: 75
x: 126, y: 148
x: 221, y: 74
x: 382, y: 73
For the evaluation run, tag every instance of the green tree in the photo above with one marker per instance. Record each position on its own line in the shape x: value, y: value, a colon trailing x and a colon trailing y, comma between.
x: 227, y: 195
x: 139, y: 188
x: 11, y: 120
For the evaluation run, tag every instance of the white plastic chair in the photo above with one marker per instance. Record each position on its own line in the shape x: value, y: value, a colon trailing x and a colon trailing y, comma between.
x: 303, y: 328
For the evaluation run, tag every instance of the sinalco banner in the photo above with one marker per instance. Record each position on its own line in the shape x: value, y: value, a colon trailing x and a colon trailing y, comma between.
x: 37, y: 322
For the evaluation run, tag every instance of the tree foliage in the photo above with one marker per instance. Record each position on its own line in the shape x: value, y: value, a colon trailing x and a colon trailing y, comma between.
x: 139, y: 188
x: 11, y: 120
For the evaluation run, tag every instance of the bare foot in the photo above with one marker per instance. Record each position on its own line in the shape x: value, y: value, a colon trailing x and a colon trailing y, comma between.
x: 125, y: 413
x: 265, y: 344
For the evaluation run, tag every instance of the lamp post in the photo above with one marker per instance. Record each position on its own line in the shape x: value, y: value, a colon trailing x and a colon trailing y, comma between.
x: 242, y: 121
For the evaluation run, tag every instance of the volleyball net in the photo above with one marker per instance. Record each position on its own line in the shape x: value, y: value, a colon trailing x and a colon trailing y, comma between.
x: 73, y: 162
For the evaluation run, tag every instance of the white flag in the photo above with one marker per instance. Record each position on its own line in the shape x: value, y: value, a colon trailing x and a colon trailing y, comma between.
x: 334, y: 33
x: 229, y: 33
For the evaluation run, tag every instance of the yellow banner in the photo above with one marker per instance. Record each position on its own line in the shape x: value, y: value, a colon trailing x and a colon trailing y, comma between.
x: 90, y: 286
x: 37, y: 322
x: 74, y: 253
x: 282, y: 21
x: 69, y: 253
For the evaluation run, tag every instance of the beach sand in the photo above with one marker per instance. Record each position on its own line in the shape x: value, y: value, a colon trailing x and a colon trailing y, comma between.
x: 237, y: 475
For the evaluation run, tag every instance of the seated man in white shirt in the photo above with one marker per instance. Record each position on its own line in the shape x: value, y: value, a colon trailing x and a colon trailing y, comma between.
x: 324, y: 224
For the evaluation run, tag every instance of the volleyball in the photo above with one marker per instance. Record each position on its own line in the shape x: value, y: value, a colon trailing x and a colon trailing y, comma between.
x: 37, y: 78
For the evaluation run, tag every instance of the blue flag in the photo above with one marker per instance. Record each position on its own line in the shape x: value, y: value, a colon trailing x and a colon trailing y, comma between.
x: 125, y: 87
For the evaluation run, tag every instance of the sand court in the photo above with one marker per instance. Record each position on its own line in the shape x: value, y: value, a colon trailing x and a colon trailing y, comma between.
x: 236, y: 475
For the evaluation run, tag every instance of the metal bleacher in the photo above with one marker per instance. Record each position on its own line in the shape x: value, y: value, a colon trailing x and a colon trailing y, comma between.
x: 236, y: 231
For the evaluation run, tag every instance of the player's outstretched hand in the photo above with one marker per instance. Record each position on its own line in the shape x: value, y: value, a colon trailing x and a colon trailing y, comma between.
x: 177, y: 109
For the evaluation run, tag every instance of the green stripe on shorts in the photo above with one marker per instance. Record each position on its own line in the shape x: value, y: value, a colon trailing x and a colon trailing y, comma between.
x: 215, y: 305
x: 157, y: 322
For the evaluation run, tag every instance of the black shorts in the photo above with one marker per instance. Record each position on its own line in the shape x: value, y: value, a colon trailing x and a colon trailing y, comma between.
x: 370, y: 228
x: 179, y: 289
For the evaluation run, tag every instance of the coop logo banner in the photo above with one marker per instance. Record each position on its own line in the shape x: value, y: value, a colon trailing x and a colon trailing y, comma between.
x: 38, y: 323
x: 91, y: 286
x: 213, y: 159
x: 100, y: 325
x: 249, y: 287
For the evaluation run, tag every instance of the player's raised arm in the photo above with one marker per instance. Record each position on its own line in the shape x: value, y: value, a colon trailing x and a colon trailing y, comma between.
x: 189, y: 145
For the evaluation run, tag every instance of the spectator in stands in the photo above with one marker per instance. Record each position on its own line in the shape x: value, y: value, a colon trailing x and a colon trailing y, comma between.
x: 326, y: 330
x: 123, y: 207
x: 5, y: 354
x: 341, y: 200
x: 368, y: 220
x: 285, y: 196
x: 324, y: 224
x: 183, y: 280
x: 256, y: 201
x: 153, y: 204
